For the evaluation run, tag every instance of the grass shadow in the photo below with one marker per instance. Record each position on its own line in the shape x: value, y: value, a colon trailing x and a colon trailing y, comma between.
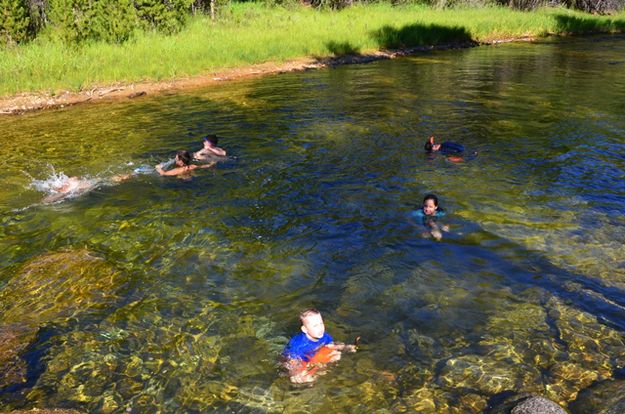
x: 342, y: 48
x: 411, y: 35
x: 580, y: 25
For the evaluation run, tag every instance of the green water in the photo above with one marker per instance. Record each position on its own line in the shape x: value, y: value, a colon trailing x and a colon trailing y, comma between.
x: 158, y: 294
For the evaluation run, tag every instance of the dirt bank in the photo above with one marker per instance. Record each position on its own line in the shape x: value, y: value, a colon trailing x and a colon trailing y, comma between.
x: 27, y: 102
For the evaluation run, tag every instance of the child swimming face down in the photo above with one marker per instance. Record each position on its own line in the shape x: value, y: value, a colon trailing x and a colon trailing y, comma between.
x: 430, y: 205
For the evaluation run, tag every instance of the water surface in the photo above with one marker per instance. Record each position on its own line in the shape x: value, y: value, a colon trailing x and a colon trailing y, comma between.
x: 181, y: 294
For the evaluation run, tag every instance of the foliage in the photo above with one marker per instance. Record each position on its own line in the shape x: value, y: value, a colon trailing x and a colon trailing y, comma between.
x: 14, y: 21
x: 250, y: 33
x: 167, y: 16
x: 76, y: 21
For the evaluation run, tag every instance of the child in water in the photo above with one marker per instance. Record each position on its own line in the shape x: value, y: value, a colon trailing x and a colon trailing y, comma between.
x: 182, y: 161
x: 311, y: 348
x: 429, y: 214
x: 452, y: 150
x: 210, y: 149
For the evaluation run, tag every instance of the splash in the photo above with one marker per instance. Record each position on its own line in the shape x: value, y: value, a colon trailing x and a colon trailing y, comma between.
x: 58, y: 186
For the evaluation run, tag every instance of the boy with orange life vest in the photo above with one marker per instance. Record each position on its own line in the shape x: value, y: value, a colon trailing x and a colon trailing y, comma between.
x: 312, y: 348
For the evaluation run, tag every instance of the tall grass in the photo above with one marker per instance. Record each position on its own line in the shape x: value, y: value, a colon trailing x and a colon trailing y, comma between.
x: 250, y: 33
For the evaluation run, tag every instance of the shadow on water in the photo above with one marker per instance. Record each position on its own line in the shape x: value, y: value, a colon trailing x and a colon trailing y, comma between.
x: 420, y: 35
x: 575, y: 24
x: 530, y: 268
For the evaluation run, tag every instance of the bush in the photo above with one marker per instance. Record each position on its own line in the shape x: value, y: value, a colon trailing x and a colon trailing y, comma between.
x: 15, y: 24
x: 76, y: 21
x: 163, y: 15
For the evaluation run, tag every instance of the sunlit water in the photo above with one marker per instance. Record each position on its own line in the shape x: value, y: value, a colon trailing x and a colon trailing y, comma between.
x: 157, y: 294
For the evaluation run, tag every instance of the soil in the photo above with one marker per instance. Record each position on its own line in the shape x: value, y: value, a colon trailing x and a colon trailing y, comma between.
x: 28, y: 102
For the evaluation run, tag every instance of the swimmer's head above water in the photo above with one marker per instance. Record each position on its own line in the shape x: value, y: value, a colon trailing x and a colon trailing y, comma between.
x: 183, y: 158
x: 430, y: 146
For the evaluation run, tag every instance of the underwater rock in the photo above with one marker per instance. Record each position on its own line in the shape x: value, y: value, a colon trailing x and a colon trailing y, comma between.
x: 12, y: 342
x: 607, y: 397
x: 48, y: 288
x: 430, y: 399
x: 478, y: 373
x: 57, y: 285
x: 537, y: 405
x: 46, y: 411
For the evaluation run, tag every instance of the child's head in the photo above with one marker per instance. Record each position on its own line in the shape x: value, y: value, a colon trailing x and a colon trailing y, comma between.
x: 183, y: 158
x: 210, y: 140
x: 430, y: 145
x: 312, y: 324
x: 430, y: 204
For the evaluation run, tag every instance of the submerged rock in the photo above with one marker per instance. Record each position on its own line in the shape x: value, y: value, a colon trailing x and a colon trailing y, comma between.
x: 12, y: 367
x: 537, y: 405
x: 607, y: 397
x: 57, y: 285
x: 49, y: 289
x: 46, y: 411
x: 479, y: 373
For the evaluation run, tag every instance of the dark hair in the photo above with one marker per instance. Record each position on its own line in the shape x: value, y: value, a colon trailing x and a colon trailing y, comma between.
x: 212, y: 138
x: 428, y: 146
x: 307, y: 312
x: 184, y: 156
x: 431, y: 197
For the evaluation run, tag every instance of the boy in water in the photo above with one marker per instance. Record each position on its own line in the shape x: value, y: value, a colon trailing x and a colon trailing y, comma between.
x: 210, y: 149
x: 301, y: 350
x: 183, y: 165
x: 429, y: 214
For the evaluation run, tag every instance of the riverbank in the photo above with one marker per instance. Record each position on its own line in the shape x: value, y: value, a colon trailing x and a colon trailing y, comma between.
x: 251, y: 40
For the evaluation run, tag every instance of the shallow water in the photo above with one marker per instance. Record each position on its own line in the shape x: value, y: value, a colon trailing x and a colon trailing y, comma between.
x: 197, y: 283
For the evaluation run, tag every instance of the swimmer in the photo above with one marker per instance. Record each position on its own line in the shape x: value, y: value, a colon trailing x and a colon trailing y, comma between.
x: 429, y: 213
x: 210, y: 149
x: 182, y: 161
x: 451, y: 150
x: 312, y: 348
x: 75, y: 186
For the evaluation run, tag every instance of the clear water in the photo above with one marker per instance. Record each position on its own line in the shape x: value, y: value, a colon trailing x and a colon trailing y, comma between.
x: 158, y: 294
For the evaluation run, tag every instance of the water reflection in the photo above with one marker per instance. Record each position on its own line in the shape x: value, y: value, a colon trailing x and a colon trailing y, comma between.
x: 313, y: 209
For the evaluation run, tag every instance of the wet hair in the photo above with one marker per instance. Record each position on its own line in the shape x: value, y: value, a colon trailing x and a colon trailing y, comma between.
x: 308, y: 312
x: 212, y: 138
x: 184, y: 156
x: 428, y: 146
x: 431, y: 197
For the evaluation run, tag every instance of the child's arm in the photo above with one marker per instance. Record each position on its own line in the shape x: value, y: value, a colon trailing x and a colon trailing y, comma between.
x: 218, y: 151
x: 340, y: 346
x: 208, y: 165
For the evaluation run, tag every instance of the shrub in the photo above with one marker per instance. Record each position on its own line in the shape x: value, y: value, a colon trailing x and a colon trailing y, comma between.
x: 163, y: 15
x: 76, y: 21
x: 15, y: 25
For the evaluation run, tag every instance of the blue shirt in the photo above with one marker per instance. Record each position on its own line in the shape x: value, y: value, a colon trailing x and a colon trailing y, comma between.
x: 419, y: 215
x: 451, y: 148
x: 300, y: 347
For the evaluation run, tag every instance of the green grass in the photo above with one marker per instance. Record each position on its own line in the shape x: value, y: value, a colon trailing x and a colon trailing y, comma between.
x: 250, y: 33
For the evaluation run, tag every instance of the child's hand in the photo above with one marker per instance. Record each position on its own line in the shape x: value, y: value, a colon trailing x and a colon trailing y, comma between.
x: 302, y: 378
x: 437, y: 234
x: 335, y: 356
x: 445, y: 228
x: 351, y: 348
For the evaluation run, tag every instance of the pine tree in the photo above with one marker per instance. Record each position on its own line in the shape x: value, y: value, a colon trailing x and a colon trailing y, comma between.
x: 14, y: 21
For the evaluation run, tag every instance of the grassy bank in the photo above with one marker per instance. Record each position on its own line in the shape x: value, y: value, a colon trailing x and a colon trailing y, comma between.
x: 250, y: 33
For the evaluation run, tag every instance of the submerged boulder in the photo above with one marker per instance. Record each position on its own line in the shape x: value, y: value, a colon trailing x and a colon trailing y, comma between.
x: 49, y: 289
x: 537, y: 405
x: 58, y: 285
x: 12, y: 342
x: 607, y: 397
